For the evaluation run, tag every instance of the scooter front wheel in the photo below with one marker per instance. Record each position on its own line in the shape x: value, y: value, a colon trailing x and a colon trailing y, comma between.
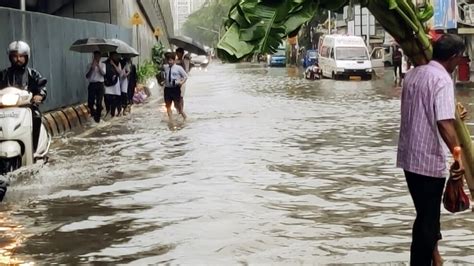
x: 8, y: 165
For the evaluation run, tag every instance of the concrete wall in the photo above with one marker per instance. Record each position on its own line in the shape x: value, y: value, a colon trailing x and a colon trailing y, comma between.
x: 155, y: 13
x: 124, y: 12
x: 50, y: 38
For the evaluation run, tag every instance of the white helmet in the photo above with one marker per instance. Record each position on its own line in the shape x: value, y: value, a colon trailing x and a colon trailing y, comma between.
x: 19, y: 46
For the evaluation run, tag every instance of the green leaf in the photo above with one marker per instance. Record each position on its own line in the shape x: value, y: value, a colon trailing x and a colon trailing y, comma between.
x: 262, y: 25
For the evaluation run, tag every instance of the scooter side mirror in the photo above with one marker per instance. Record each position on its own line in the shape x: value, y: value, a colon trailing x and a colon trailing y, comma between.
x: 42, y: 82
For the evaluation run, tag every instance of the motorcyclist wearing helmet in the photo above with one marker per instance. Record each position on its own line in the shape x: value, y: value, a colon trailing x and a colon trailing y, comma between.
x: 21, y: 76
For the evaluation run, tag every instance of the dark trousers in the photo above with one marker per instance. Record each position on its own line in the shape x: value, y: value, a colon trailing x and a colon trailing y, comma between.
x: 94, y: 100
x: 397, y: 67
x: 426, y: 193
x: 124, y: 100
x: 36, y: 116
x: 112, y: 103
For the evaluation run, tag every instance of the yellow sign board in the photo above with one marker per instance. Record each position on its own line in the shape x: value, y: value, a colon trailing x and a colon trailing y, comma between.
x: 136, y: 19
x: 157, y: 32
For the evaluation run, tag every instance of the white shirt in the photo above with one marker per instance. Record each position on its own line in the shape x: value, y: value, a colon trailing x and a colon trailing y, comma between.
x: 177, y: 74
x: 124, y: 79
x: 96, y: 75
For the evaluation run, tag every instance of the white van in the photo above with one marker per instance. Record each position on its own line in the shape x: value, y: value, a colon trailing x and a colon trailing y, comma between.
x: 347, y: 57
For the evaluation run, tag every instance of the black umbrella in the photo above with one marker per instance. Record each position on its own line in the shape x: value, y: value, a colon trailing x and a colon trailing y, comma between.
x: 124, y: 48
x: 90, y: 45
x: 188, y: 44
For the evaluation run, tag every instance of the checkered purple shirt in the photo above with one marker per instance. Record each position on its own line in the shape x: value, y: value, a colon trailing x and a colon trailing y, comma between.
x: 427, y: 97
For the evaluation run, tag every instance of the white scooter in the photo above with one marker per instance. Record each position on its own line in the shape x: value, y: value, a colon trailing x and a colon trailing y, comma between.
x: 16, y: 132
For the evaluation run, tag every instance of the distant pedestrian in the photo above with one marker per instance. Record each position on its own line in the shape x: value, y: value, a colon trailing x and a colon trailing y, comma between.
x: 397, y: 55
x: 132, y: 84
x: 95, y: 74
x: 126, y: 69
x: 112, y: 83
x: 184, y: 61
x: 427, y: 126
x: 175, y: 77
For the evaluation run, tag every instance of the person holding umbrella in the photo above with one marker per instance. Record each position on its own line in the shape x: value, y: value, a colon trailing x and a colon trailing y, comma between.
x: 113, y: 73
x: 184, y: 62
x: 95, y: 76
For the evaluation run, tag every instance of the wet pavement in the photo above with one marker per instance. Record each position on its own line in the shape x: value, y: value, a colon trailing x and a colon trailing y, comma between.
x: 270, y: 168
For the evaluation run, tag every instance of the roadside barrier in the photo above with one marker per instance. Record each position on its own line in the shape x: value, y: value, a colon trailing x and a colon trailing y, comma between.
x: 65, y: 120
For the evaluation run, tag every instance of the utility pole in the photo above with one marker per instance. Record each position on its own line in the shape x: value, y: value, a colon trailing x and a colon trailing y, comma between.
x: 368, y: 28
x: 329, y: 22
x: 23, y: 19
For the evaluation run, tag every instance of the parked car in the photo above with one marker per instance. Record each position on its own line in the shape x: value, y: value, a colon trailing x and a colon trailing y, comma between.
x: 199, y: 61
x: 278, y: 58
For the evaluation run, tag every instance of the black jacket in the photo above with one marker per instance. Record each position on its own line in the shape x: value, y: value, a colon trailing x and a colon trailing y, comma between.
x: 23, y: 78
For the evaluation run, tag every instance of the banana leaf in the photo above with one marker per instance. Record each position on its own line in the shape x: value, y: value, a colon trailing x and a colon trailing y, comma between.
x: 260, y: 26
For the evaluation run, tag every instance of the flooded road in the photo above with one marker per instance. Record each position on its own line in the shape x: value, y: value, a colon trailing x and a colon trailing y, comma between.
x: 270, y: 168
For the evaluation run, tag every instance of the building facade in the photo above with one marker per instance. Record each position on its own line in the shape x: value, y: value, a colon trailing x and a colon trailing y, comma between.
x: 181, y: 10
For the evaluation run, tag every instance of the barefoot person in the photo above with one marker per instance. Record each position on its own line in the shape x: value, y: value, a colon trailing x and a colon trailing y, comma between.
x: 175, y: 77
x: 426, y: 128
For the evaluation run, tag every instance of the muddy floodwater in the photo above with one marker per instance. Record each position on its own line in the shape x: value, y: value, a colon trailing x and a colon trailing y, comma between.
x: 270, y: 168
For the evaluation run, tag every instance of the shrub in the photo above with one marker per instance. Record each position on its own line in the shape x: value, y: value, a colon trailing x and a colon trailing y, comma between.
x: 146, y: 70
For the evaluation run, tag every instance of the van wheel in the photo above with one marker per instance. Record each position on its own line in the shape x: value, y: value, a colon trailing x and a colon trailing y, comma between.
x: 334, y: 76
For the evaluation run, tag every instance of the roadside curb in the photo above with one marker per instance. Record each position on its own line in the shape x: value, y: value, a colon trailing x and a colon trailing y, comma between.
x: 65, y: 120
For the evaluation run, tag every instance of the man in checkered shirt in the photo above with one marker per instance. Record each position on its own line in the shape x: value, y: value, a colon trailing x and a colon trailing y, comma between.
x: 426, y: 129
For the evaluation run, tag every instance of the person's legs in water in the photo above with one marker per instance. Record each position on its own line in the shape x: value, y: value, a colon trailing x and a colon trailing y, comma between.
x: 124, y: 102
x: 113, y: 105
x: 108, y: 103
x: 168, y: 101
x: 397, y: 71
x: 426, y: 193
x: 91, y: 94
x: 179, y: 106
x: 99, y: 96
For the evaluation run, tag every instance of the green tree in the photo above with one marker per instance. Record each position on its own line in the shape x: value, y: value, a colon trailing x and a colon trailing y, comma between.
x: 212, y: 17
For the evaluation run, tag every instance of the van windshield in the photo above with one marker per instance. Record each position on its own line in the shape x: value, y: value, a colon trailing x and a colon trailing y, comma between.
x: 351, y: 53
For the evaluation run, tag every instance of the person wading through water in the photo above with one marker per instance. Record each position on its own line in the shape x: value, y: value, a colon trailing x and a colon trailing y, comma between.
x: 426, y: 128
x: 175, y: 77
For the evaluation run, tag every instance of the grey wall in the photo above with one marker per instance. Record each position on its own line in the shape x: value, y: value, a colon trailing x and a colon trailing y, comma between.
x: 50, y: 38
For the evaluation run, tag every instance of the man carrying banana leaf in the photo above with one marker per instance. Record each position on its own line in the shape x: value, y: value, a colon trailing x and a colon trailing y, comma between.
x: 427, y: 126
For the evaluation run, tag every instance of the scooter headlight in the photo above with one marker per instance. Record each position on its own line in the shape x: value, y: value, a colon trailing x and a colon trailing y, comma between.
x: 10, y: 99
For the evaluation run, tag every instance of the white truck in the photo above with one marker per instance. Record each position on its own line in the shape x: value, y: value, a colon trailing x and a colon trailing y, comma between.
x: 343, y: 56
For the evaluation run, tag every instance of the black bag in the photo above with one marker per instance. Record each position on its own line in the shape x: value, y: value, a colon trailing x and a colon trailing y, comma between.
x: 161, y: 77
x: 111, y: 75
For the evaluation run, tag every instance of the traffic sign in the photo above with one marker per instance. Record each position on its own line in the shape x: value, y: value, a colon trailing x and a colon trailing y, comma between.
x: 136, y: 19
x: 157, y: 32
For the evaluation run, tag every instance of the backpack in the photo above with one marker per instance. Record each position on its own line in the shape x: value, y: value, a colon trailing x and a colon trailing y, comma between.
x: 161, y: 77
x: 111, y: 75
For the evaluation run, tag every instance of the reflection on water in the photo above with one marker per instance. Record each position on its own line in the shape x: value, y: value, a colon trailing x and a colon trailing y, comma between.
x: 269, y: 168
